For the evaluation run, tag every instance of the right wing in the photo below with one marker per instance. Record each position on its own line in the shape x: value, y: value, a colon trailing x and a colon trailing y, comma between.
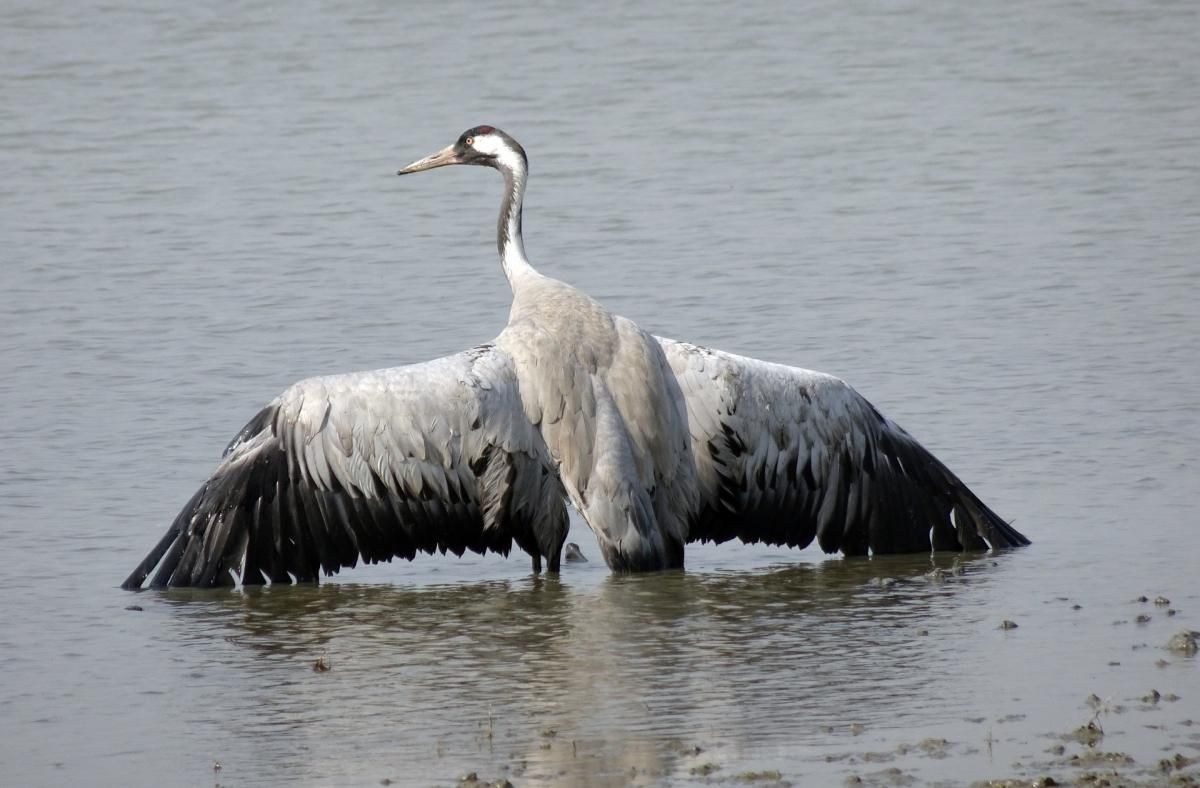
x: 785, y: 455
x: 430, y: 457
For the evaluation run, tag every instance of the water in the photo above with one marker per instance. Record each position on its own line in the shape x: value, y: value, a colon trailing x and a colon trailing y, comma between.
x: 986, y: 219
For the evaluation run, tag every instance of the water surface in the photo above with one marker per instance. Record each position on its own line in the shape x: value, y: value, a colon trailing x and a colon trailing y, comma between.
x: 985, y: 218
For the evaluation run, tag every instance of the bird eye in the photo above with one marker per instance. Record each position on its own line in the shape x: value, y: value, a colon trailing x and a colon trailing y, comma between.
x: 470, y: 140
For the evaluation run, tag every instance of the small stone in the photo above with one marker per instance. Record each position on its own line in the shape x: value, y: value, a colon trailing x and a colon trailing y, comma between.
x: 1184, y: 642
x: 688, y: 750
x: 1153, y: 697
x: 1073, y: 607
x: 138, y: 608
x: 1143, y: 599
x: 1007, y: 624
x: 1161, y: 600
x: 933, y: 745
x: 1176, y: 762
x: 1162, y: 663
x: 765, y: 774
x: 922, y: 632
x: 1143, y: 618
x: 704, y: 769
x: 1095, y: 757
x: 1171, y: 611
x: 1087, y: 734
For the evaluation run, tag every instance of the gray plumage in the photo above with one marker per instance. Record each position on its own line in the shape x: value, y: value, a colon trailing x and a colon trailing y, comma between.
x: 784, y: 455
x: 372, y: 465
x: 655, y: 442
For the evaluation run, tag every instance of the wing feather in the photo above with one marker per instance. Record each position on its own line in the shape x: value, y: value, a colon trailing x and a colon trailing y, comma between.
x: 370, y: 466
x: 785, y: 455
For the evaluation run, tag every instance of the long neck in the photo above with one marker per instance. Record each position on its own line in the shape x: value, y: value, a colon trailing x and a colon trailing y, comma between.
x: 508, y: 230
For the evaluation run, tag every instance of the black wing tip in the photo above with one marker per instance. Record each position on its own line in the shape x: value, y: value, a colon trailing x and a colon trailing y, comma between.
x: 259, y: 519
x: 175, y: 539
x: 138, y: 576
x: 262, y: 421
x: 1001, y: 535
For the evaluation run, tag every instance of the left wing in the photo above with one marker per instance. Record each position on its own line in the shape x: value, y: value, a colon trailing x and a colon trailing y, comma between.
x: 371, y: 465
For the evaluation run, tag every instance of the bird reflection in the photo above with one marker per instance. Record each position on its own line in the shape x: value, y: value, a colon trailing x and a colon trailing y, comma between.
x: 619, y: 676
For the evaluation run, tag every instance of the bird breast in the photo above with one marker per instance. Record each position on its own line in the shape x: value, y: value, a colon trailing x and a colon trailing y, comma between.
x: 569, y: 352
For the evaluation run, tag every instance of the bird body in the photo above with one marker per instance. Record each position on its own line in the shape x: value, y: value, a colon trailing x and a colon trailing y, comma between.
x: 597, y: 387
x: 655, y: 442
x: 601, y: 393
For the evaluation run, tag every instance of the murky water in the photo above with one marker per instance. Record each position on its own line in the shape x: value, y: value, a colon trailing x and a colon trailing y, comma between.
x: 986, y: 219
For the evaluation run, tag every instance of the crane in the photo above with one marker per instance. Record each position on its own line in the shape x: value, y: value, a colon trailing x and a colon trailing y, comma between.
x: 655, y: 442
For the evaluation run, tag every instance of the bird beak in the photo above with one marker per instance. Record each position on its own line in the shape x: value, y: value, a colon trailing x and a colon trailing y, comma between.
x: 447, y: 155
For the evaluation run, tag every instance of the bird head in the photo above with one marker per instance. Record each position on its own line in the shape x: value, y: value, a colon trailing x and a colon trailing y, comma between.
x: 484, y: 145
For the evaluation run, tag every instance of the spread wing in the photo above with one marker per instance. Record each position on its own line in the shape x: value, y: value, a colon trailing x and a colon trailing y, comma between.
x: 785, y: 455
x: 373, y: 465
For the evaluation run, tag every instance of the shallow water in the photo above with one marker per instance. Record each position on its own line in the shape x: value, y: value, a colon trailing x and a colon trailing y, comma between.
x: 986, y: 219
